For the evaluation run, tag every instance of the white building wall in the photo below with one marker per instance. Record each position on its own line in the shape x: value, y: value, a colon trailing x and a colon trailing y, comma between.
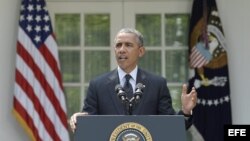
x: 235, y: 19
x: 9, y: 127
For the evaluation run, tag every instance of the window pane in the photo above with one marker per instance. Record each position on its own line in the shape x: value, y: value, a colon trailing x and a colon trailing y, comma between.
x: 73, y: 102
x: 97, y: 30
x: 150, y: 27
x: 176, y: 66
x: 73, y: 96
x: 151, y: 61
x: 85, y: 93
x: 175, y: 92
x: 70, y: 65
x: 96, y: 63
x: 176, y: 29
x: 67, y: 29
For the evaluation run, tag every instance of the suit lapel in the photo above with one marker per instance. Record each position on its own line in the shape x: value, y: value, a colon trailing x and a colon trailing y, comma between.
x: 141, y: 78
x: 113, y: 81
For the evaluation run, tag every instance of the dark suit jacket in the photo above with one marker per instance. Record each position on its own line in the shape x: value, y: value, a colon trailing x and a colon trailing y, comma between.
x: 102, y: 98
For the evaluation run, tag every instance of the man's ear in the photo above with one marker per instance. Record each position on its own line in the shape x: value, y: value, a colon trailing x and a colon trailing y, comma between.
x: 141, y: 51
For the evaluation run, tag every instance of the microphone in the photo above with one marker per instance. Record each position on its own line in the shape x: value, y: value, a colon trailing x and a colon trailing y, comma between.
x: 120, y: 92
x: 138, y: 91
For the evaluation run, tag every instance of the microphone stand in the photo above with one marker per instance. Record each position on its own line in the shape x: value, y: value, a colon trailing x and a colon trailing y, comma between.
x: 130, y: 106
x: 129, y: 103
x: 136, y: 97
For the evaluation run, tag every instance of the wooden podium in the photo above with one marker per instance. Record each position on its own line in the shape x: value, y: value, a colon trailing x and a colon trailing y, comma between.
x: 130, y: 127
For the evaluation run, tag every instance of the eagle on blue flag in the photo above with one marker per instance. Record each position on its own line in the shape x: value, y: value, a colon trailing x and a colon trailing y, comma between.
x: 209, y: 70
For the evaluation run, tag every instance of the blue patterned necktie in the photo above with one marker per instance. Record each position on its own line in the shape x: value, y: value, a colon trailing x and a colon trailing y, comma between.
x: 128, y: 87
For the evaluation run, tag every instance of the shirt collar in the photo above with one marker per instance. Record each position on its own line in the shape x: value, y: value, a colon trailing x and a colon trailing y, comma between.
x: 122, y: 74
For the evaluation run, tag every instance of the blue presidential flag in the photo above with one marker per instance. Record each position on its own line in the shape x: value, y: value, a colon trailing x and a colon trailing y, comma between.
x: 209, y: 70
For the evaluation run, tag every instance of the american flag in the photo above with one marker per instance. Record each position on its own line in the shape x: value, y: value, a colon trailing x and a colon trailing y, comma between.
x: 39, y: 102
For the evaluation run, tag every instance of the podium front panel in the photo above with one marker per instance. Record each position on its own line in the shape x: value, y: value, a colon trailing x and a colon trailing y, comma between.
x: 130, y: 127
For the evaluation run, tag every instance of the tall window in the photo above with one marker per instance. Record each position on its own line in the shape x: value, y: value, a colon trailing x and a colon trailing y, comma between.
x: 167, y: 48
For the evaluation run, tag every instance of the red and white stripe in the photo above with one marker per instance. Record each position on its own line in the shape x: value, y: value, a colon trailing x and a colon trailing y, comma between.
x: 197, y: 60
x: 39, y: 100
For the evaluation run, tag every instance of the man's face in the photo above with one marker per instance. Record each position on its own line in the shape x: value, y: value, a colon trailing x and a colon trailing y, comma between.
x: 128, y: 51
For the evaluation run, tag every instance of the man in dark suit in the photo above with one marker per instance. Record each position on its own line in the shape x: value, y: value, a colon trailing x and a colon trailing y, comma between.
x: 102, y: 97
